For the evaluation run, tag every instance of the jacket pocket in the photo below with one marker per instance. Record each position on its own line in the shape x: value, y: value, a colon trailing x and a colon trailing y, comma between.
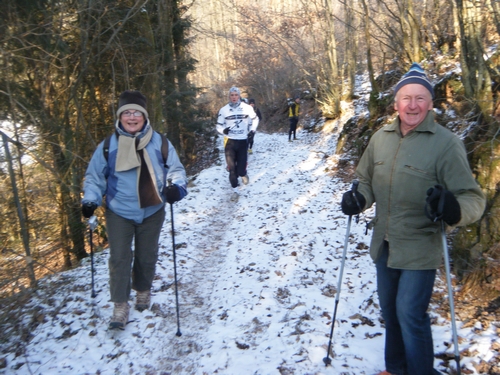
x: 427, y: 174
x: 417, y: 222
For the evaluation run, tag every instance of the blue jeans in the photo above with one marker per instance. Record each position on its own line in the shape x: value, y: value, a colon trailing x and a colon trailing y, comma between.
x: 404, y: 298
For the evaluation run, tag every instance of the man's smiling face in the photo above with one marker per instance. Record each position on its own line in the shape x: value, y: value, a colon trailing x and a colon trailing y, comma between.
x: 412, y: 102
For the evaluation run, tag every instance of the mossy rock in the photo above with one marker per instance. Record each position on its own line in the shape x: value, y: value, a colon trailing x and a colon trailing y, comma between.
x: 449, y: 94
x: 380, y: 104
x: 471, y: 243
x: 355, y: 135
x: 464, y: 240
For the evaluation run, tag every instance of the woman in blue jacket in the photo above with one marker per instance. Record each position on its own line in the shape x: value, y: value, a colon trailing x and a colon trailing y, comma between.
x: 132, y: 175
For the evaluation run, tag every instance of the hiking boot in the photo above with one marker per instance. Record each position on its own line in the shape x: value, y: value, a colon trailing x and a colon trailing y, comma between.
x: 245, y: 179
x: 250, y: 151
x: 290, y: 140
x: 143, y: 300
x: 235, y: 196
x: 294, y: 138
x: 120, y: 316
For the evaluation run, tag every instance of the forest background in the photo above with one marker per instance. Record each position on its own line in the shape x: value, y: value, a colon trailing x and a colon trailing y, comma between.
x: 63, y: 65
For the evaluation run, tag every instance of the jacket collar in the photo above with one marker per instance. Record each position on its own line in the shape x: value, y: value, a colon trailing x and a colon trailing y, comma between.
x: 428, y: 125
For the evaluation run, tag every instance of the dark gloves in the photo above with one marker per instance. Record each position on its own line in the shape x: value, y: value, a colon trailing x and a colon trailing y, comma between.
x: 349, y: 204
x: 172, y: 193
x: 88, y: 209
x: 250, y: 135
x: 441, y: 204
x: 226, y: 131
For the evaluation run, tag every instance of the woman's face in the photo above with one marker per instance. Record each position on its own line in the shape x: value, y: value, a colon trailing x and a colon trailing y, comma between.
x: 132, y: 121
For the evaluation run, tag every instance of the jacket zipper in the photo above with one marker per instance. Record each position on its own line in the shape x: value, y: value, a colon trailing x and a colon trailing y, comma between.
x: 386, y: 236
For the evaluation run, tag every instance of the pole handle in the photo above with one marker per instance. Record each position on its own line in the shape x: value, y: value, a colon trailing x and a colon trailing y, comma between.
x: 355, y: 184
x: 354, y: 189
x: 93, y: 222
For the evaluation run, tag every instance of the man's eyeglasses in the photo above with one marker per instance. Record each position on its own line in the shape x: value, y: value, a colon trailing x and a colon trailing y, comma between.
x: 135, y: 114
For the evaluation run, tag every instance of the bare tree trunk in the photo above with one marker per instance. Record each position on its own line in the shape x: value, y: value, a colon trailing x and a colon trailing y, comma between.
x: 494, y: 7
x: 456, y: 25
x: 151, y: 83
x: 218, y: 55
x: 22, y: 223
x: 415, y: 37
x: 333, y: 85
x: 369, y: 62
x: 475, y: 75
x: 481, y: 140
x: 350, y: 36
x: 331, y: 43
x: 165, y: 12
x: 410, y: 30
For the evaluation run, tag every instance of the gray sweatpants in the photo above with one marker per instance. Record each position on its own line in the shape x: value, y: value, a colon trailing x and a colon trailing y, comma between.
x: 123, y: 261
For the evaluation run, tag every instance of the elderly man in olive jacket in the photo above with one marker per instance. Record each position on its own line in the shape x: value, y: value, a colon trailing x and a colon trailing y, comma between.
x: 405, y: 164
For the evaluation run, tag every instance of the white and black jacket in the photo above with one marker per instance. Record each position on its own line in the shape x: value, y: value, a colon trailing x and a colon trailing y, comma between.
x: 240, y: 121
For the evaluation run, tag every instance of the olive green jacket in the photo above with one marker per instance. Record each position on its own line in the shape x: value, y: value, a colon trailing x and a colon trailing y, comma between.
x: 395, y: 172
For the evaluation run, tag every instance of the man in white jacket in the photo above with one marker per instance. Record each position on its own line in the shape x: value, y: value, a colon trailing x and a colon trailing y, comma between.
x: 237, y: 121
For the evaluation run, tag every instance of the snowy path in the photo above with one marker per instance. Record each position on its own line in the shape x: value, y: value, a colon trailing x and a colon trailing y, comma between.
x: 267, y: 262
x: 257, y: 281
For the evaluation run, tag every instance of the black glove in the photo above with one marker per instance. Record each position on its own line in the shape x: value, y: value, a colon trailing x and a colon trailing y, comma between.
x: 172, y: 193
x: 226, y: 131
x: 441, y: 204
x: 251, y: 135
x: 349, y: 204
x: 88, y: 209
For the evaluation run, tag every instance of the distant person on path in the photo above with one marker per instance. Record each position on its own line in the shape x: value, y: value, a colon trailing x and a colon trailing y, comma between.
x: 251, y: 135
x: 236, y: 120
x: 293, y: 116
x: 133, y: 175
x: 407, y: 166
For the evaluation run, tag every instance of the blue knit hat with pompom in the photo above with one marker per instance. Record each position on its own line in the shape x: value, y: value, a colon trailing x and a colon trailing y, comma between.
x: 415, y: 75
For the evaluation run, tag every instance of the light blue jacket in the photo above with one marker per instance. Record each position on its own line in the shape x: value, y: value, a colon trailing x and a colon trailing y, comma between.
x: 120, y: 188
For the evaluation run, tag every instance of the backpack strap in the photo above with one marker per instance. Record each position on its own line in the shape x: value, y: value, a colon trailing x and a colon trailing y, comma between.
x: 107, y: 141
x: 164, y: 149
x: 105, y: 147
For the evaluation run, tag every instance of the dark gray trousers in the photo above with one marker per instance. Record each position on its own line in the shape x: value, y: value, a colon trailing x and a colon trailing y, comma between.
x: 132, y: 268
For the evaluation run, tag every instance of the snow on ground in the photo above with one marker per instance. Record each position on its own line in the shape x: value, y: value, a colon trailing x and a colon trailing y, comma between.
x: 257, y: 280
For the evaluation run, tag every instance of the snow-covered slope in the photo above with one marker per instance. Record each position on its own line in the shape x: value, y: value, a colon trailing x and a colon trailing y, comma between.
x: 257, y: 280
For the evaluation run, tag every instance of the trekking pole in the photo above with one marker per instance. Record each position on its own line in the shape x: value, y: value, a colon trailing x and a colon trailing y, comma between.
x: 327, y: 360
x: 175, y: 266
x: 450, y: 297
x: 435, y: 216
x: 92, y: 227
